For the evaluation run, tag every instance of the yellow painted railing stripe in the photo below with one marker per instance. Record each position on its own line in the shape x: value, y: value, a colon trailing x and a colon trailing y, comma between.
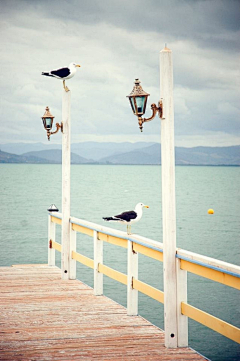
x: 113, y: 240
x: 111, y: 273
x: 211, y: 274
x: 148, y: 251
x: 196, y: 314
x: 81, y: 229
x: 57, y: 246
x: 212, y: 322
x: 148, y: 290
x: 56, y: 220
x: 83, y: 259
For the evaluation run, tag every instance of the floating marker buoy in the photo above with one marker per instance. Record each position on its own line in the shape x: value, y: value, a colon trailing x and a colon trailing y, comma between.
x: 210, y: 211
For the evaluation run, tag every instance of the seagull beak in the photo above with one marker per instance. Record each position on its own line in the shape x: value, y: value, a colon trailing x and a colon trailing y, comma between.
x: 78, y: 66
x: 146, y: 206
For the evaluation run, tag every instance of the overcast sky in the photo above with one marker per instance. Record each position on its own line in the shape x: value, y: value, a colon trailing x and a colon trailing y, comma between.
x: 116, y: 41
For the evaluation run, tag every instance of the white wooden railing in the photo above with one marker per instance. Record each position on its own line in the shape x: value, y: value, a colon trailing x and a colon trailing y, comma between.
x: 215, y: 270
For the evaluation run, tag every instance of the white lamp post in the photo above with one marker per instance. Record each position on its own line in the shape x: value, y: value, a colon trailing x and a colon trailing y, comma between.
x: 168, y: 199
x: 66, y: 159
x: 138, y: 100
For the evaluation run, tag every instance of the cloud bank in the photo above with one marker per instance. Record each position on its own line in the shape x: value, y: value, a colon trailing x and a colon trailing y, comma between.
x: 116, y: 42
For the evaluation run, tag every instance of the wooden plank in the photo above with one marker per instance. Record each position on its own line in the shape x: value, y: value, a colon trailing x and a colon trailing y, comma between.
x: 168, y: 198
x: 46, y: 318
x: 83, y: 259
x: 51, y: 237
x: 181, y: 297
x: 66, y: 187
x: 211, y: 274
x: 98, y: 258
x: 148, y: 251
x: 211, y: 262
x: 81, y: 229
x: 111, y: 273
x: 212, y: 322
x: 148, y: 290
x: 116, y: 233
x: 72, y: 262
x: 132, y: 271
x: 56, y: 220
x: 147, y: 242
x: 57, y: 246
x: 112, y: 239
x: 30, y: 265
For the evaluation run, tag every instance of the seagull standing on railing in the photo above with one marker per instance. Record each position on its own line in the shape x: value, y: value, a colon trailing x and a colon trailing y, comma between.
x: 63, y: 73
x: 128, y: 217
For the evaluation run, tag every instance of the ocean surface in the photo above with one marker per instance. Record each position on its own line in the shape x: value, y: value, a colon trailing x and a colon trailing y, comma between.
x: 96, y: 191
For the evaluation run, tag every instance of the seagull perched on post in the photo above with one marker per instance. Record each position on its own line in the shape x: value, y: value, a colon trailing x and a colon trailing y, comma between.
x: 128, y: 217
x: 63, y: 73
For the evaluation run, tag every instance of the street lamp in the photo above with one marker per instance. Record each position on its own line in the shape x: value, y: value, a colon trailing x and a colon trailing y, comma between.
x: 138, y: 101
x: 47, y: 119
x: 175, y: 323
x: 65, y: 126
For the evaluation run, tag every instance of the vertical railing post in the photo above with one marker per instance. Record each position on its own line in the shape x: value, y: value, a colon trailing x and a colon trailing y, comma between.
x: 51, y: 238
x: 168, y: 199
x: 132, y: 295
x: 73, y: 263
x: 66, y: 158
x: 181, y: 297
x: 98, y: 258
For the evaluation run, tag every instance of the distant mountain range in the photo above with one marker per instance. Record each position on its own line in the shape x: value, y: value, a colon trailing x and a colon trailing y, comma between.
x: 117, y: 153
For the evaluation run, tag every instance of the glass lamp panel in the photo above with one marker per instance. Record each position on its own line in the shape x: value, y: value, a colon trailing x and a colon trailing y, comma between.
x: 132, y: 105
x: 48, y: 123
x: 145, y: 104
x: 140, y: 104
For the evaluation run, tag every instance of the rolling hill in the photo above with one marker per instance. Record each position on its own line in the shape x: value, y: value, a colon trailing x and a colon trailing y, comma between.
x: 120, y: 153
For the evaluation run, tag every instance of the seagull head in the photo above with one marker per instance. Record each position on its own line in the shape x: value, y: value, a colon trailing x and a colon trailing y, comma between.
x: 141, y: 205
x: 74, y: 65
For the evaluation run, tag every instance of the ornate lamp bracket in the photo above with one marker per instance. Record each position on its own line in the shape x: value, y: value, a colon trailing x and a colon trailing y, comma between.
x: 155, y: 110
x: 58, y: 126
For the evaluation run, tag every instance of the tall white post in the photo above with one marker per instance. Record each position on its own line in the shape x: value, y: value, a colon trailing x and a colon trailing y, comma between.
x: 181, y: 297
x: 66, y: 157
x: 132, y: 295
x: 168, y: 199
x: 51, y: 238
x: 72, y: 262
x: 98, y: 258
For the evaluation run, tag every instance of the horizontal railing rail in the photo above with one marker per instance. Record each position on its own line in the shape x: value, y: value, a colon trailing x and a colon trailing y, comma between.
x: 210, y: 268
x: 83, y: 226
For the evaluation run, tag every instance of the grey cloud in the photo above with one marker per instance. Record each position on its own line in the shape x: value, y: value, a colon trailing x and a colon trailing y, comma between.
x: 115, y: 42
x: 204, y: 21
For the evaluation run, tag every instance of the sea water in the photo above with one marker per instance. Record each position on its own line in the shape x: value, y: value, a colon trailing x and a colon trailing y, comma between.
x: 97, y: 191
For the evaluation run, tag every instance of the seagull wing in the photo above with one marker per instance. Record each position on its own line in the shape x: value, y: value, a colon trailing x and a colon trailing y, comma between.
x: 61, y: 73
x: 127, y: 216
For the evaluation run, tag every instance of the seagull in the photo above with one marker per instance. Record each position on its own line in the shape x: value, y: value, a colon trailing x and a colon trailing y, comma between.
x: 128, y: 217
x: 63, y: 73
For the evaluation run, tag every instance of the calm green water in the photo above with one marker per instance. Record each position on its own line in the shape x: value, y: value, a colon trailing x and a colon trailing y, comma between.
x: 97, y: 191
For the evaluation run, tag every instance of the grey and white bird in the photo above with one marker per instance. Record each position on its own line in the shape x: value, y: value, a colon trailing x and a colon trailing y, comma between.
x: 128, y: 217
x: 63, y: 73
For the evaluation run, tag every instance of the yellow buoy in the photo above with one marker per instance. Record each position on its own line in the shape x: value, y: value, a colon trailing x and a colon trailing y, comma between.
x: 210, y: 211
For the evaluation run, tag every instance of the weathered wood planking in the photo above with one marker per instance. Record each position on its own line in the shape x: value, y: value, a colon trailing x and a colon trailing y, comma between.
x: 46, y: 318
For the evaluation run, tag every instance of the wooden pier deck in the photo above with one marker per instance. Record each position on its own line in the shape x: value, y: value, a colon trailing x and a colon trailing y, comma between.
x: 46, y: 318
